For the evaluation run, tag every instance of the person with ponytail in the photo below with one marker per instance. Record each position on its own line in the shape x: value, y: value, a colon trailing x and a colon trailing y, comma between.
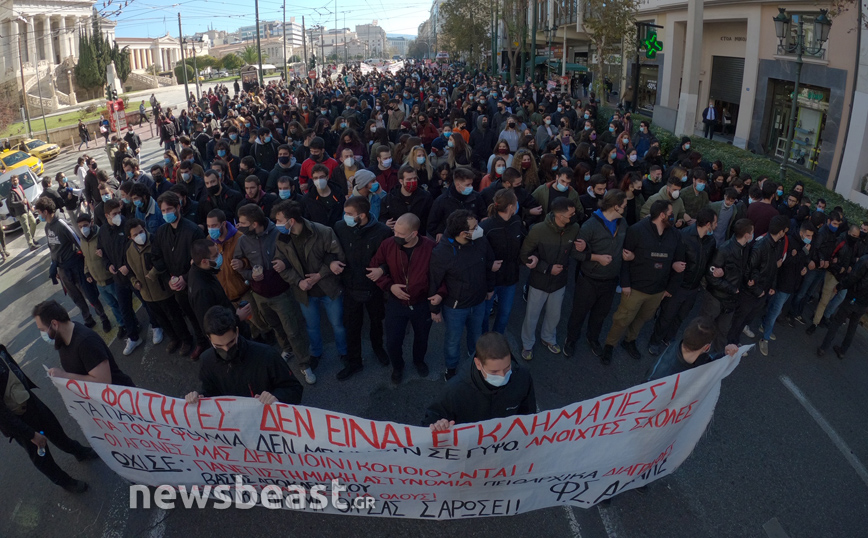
x: 505, y: 233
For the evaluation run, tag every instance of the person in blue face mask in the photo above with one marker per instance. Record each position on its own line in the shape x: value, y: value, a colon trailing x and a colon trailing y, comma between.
x: 694, y: 197
x: 459, y: 195
x: 493, y: 385
x: 146, y: 208
x: 204, y: 286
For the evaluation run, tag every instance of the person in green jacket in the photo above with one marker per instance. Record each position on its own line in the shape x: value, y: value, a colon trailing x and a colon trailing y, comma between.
x: 561, y: 187
x: 670, y: 193
x: 694, y: 197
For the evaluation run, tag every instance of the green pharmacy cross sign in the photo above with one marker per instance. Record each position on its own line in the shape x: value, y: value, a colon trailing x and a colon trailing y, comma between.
x: 652, y: 45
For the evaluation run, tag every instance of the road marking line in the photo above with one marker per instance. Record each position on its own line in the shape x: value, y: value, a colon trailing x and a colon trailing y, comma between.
x: 609, y: 523
x: 574, y: 524
x: 826, y: 427
x: 774, y: 529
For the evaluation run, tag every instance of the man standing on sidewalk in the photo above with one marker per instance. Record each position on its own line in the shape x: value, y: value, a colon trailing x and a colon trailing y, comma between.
x: 20, y: 208
x: 657, y: 256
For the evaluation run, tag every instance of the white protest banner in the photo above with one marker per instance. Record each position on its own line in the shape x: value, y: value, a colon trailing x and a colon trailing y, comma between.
x: 365, y: 68
x: 395, y: 67
x: 578, y: 455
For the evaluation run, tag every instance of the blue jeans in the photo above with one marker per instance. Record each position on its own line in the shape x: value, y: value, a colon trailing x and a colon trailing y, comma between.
x: 809, y: 286
x: 773, y: 310
x: 110, y: 297
x: 334, y: 309
x: 456, y: 320
x: 505, y: 297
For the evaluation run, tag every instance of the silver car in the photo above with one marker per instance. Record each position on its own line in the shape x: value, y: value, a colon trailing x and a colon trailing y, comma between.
x: 32, y: 186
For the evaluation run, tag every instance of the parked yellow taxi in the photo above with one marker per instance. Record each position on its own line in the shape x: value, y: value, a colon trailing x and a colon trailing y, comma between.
x: 14, y: 158
x: 39, y: 149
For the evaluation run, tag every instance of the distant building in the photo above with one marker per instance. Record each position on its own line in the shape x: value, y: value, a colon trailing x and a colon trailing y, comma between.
x: 398, y: 44
x: 163, y: 53
x: 374, y: 38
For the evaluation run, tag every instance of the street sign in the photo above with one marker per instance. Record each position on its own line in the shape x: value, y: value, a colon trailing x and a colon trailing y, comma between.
x: 311, y: 73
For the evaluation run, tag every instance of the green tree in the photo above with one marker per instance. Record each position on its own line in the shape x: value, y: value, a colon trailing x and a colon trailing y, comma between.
x: 87, y: 73
x: 250, y: 55
x: 295, y: 58
x: 609, y: 22
x: 465, y: 28
x: 179, y: 73
x: 231, y: 61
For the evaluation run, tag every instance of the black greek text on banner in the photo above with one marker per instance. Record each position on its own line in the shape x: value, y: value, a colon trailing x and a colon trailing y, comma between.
x: 578, y: 455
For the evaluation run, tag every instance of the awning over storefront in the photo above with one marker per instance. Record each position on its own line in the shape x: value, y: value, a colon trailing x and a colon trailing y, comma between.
x: 578, y: 68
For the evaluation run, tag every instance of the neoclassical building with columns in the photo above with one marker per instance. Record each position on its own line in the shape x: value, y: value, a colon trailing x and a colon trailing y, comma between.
x: 46, y: 32
x: 162, y: 52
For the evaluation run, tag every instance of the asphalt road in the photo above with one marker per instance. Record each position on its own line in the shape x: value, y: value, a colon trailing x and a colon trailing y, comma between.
x: 765, y: 465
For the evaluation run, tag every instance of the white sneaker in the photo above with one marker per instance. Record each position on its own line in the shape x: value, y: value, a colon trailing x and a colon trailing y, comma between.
x: 749, y: 333
x: 286, y: 356
x: 131, y: 346
x: 157, y: 337
x: 309, y: 376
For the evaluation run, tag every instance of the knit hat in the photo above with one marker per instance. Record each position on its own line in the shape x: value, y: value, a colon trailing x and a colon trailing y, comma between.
x: 685, y: 140
x: 438, y: 143
x: 363, y: 178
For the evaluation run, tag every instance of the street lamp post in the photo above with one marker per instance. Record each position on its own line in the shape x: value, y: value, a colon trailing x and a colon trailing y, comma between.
x: 822, y: 25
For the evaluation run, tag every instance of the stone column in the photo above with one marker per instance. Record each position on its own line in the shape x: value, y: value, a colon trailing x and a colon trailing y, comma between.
x: 158, y: 58
x: 48, y: 40
x: 30, y: 29
x: 62, y: 39
x: 749, y: 79
x: 11, y: 30
x: 685, y: 122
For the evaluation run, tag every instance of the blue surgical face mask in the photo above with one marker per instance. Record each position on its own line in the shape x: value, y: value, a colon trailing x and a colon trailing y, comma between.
x: 500, y: 170
x: 467, y: 190
x: 821, y: 209
x: 780, y: 192
x: 684, y: 179
x: 613, y: 155
x: 221, y: 152
x: 106, y: 197
x: 138, y: 203
x: 833, y: 229
x: 129, y: 175
x: 282, y: 228
x: 214, y: 233
x: 420, y: 160
x: 284, y: 193
x: 219, y: 261
x: 267, y: 139
x: 350, y: 221
x: 497, y: 380
x: 686, y: 147
x: 375, y: 187
x: 167, y: 161
x: 560, y: 187
x: 700, y: 187
x: 807, y: 240
x: 170, y: 217
x: 611, y: 129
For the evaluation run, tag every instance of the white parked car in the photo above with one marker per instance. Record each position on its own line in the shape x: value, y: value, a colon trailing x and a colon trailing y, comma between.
x: 32, y: 185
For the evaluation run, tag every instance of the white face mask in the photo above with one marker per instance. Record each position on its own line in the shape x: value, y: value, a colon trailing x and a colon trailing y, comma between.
x: 140, y: 239
x: 349, y: 161
x: 496, y: 380
x: 477, y: 233
x: 675, y: 194
x: 320, y: 183
x: 116, y: 220
x: 45, y: 337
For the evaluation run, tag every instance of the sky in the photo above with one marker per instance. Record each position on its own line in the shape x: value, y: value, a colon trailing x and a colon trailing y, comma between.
x: 153, y: 18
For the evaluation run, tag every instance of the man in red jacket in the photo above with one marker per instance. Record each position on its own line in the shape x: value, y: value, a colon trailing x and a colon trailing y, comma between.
x: 318, y: 155
x: 401, y: 270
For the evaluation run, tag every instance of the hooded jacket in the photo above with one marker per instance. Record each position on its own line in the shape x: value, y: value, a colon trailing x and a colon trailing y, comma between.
x: 482, y: 141
x: 697, y: 254
x: 464, y: 269
x: 552, y: 245
x: 259, y: 249
x: 789, y: 275
x: 94, y: 266
x: 450, y: 201
x: 762, y: 265
x: 227, y: 201
x: 396, y: 204
x: 154, y: 283
x: 505, y: 238
x: 732, y: 258
x: 600, y: 240
x: 663, y: 194
x: 469, y: 398
x: 258, y: 368
x: 360, y: 244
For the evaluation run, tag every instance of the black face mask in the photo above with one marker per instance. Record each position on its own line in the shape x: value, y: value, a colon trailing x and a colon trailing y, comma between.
x: 214, y: 189
x: 401, y: 241
x: 228, y: 355
x: 158, y: 178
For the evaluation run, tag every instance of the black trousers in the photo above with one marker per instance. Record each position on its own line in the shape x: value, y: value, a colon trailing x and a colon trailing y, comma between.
x: 721, y: 314
x: 354, y: 319
x: 183, y: 299
x: 673, y: 311
x: 592, y: 297
x: 847, y: 311
x: 39, y: 417
x: 81, y: 291
x: 747, y: 309
x: 397, y: 317
x: 169, y: 315
x: 709, y: 131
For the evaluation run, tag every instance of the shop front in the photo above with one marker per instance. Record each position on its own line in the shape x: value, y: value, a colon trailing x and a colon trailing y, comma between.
x: 812, y: 106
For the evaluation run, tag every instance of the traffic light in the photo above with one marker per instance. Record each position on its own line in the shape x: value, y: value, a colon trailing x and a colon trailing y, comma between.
x: 108, y: 92
x: 114, y: 94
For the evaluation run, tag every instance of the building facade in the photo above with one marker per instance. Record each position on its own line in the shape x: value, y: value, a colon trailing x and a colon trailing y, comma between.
x: 398, y: 45
x: 374, y: 38
x: 163, y: 53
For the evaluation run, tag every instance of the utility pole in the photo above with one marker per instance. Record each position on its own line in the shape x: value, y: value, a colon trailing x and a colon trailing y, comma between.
x: 304, y: 42
x: 259, y: 46
x: 196, y: 70
x: 336, y: 35
x: 322, y: 42
x: 285, y: 76
x: 346, y: 57
x: 24, y: 89
x: 533, y: 42
x: 41, y: 104
x: 183, y: 60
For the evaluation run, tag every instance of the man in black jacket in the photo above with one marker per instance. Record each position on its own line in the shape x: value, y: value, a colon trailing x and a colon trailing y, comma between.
x: 204, y: 288
x: 721, y: 293
x: 27, y: 420
x: 459, y: 195
x: 218, y: 195
x: 822, y: 249
x: 172, y: 247
x: 843, y: 258
x: 360, y: 237
x: 681, y: 296
x: 529, y: 208
x: 236, y: 366
x: 406, y: 197
x: 254, y: 194
x: 20, y: 208
x: 482, y: 140
x: 598, y: 271
x: 112, y: 243
x: 248, y: 167
x: 323, y: 203
x: 493, y: 386
x: 766, y: 255
x: 852, y: 310
x: 590, y: 200
x: 657, y: 257
x: 464, y: 264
